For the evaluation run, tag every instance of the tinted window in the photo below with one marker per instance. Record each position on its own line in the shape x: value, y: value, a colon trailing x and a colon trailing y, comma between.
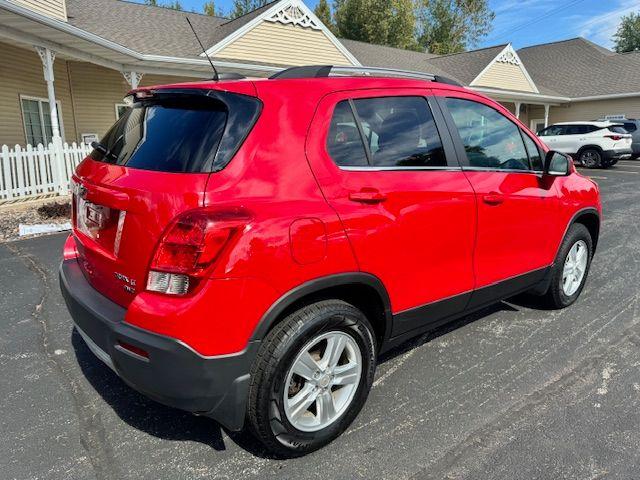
x: 552, y: 131
x: 344, y: 143
x: 579, y: 129
x: 618, y: 130
x: 400, y: 131
x: 630, y: 127
x: 489, y: 138
x: 174, y: 135
x: 535, y: 155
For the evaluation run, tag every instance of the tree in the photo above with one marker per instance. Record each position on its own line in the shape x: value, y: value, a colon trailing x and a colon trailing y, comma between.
x: 383, y: 22
x: 450, y: 26
x: 209, y: 8
x: 172, y: 5
x: 627, y: 38
x: 323, y: 12
x: 242, y: 7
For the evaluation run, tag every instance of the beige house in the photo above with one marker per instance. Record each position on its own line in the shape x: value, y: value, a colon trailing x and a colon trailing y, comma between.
x: 84, y: 55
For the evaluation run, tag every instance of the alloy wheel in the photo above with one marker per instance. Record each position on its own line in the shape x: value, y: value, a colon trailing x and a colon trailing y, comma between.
x: 590, y: 158
x: 575, y: 266
x: 322, y: 381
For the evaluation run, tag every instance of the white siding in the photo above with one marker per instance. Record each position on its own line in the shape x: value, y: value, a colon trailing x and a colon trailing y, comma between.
x: 53, y: 8
x: 284, y: 45
x: 506, y: 76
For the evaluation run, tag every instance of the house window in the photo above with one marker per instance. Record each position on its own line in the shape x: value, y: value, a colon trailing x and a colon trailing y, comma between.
x: 121, y: 108
x: 37, y: 120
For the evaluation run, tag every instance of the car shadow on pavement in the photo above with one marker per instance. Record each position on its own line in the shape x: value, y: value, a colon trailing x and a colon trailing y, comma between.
x: 145, y: 414
x: 168, y: 423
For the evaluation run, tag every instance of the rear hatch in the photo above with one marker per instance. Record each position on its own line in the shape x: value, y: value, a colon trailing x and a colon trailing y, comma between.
x: 621, y: 137
x: 152, y: 165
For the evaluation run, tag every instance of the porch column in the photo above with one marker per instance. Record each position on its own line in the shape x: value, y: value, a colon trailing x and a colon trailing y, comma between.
x: 133, y: 78
x: 60, y: 181
x: 546, y: 115
x: 518, y: 109
x: 47, y: 57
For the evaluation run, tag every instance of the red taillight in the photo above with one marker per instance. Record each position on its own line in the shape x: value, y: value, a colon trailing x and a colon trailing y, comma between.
x: 194, y: 241
x: 614, y: 137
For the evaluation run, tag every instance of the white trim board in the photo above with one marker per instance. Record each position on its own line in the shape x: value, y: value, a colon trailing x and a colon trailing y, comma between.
x: 508, y: 55
x: 269, y: 15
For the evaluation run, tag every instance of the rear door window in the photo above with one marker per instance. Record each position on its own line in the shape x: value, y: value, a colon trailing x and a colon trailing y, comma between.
x: 400, y: 132
x: 344, y: 143
x: 385, y: 132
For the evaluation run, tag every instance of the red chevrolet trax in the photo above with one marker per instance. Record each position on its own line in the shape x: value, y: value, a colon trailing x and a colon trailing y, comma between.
x: 246, y: 249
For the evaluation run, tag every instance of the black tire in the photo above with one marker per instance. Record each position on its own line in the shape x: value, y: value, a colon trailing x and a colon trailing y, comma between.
x: 556, y: 296
x: 591, y: 158
x: 265, y: 412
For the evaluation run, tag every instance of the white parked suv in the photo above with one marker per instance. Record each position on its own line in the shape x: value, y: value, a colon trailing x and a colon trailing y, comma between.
x: 593, y: 144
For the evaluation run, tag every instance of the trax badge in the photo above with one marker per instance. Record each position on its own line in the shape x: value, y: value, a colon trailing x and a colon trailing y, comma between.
x: 129, y: 283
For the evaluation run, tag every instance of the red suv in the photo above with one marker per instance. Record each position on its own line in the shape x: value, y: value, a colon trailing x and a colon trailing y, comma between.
x: 248, y: 248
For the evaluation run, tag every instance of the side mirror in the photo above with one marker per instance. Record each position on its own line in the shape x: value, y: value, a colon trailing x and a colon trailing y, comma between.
x: 557, y: 164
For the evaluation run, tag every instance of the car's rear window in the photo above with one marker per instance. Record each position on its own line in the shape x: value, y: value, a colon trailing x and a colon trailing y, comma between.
x: 167, y: 136
x: 630, y: 127
x: 619, y: 129
x: 180, y: 132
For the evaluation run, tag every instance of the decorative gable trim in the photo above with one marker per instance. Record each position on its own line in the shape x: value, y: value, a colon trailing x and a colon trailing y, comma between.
x: 293, y: 15
x: 510, y: 56
x: 288, y: 12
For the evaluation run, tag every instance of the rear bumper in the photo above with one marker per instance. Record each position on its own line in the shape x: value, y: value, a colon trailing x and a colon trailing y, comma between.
x: 173, y: 374
x: 617, y: 154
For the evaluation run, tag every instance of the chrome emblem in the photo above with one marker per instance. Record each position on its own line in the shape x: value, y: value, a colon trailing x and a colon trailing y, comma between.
x: 129, y: 283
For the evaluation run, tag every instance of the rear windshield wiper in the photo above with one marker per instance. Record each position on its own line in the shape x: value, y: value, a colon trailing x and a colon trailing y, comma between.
x: 107, y: 152
x: 100, y: 147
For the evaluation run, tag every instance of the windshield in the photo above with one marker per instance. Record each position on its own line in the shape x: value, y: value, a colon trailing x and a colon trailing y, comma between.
x: 171, y: 135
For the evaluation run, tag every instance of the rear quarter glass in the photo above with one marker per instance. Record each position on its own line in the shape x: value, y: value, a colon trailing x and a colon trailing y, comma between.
x: 180, y: 131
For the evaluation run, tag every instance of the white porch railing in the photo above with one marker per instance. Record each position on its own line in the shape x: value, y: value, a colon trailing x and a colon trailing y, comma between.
x: 30, y: 172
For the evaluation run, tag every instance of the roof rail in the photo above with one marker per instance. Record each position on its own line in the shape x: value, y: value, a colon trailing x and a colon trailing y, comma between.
x: 323, y: 71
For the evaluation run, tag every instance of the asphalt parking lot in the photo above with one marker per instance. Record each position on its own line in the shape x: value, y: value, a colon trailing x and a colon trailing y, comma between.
x: 509, y: 393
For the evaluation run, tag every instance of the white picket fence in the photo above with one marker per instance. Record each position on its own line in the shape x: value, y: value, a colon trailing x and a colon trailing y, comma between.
x: 27, y: 173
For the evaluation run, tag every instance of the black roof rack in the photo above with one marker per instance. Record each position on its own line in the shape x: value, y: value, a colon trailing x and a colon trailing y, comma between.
x: 323, y: 71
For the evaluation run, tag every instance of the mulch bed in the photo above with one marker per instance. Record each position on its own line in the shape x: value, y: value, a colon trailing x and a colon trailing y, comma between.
x: 58, y: 211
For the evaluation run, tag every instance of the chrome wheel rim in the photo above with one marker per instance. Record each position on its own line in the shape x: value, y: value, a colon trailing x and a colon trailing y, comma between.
x: 322, y: 381
x: 575, y: 267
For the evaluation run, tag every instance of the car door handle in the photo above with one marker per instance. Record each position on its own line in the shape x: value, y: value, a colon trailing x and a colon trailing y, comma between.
x: 493, y: 199
x: 370, y: 196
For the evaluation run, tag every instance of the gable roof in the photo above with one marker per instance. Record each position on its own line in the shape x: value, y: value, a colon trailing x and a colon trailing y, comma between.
x: 579, y: 68
x: 574, y: 68
x: 144, y: 28
x: 383, y: 56
x: 466, y: 66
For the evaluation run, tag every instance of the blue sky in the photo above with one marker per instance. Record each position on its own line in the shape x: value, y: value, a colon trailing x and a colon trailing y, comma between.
x: 529, y: 22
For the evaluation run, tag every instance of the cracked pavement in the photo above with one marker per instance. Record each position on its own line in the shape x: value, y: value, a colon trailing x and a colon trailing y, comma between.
x: 509, y: 392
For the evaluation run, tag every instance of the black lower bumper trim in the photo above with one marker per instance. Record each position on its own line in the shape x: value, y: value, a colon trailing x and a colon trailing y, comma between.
x: 173, y: 374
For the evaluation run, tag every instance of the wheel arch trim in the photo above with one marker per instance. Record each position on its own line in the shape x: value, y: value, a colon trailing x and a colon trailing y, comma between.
x: 574, y: 219
x: 317, y: 286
